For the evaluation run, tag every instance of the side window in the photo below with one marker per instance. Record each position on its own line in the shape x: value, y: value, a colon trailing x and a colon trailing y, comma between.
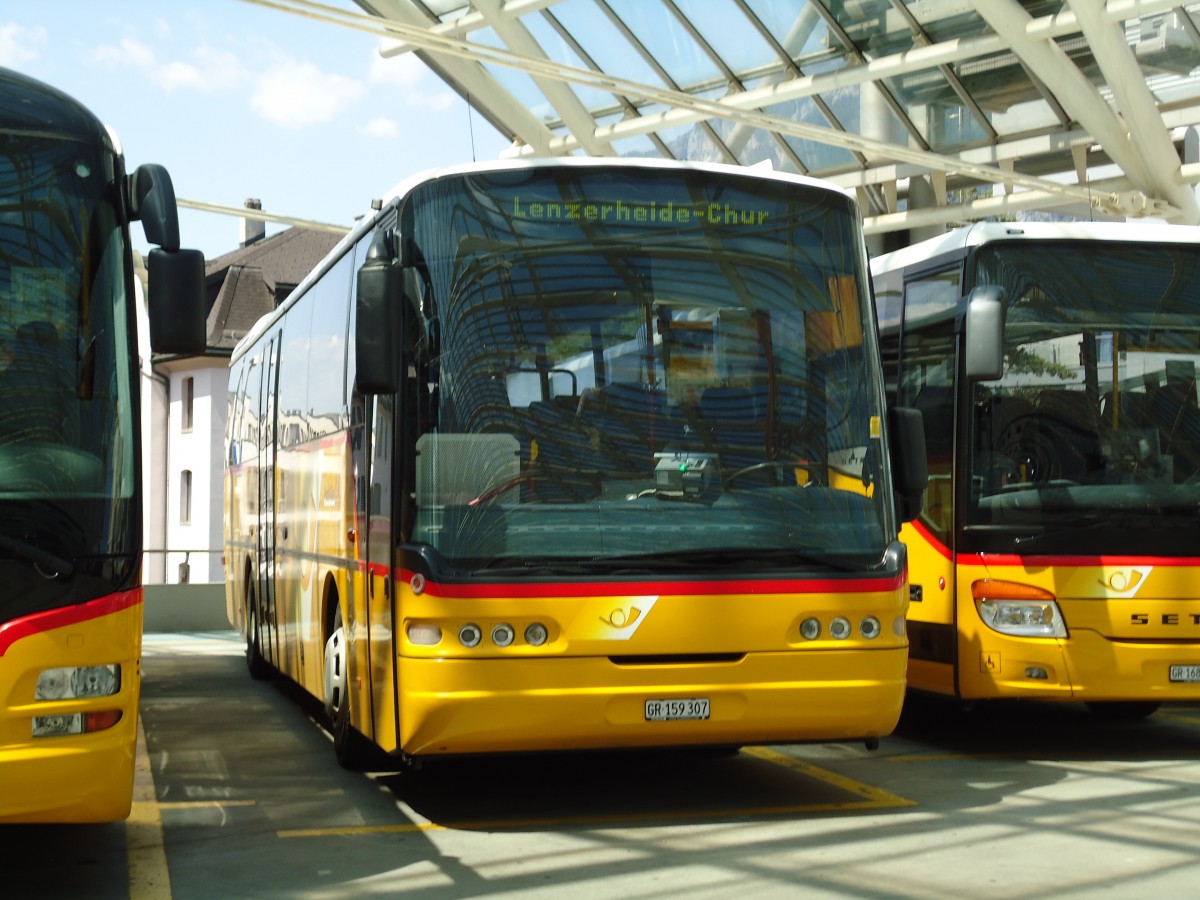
x: 294, y: 374
x: 327, y: 349
x: 189, y: 401
x: 185, y: 497
x: 927, y: 367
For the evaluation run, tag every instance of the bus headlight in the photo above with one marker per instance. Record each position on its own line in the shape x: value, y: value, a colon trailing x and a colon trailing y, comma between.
x: 470, y: 635
x: 502, y: 634
x: 839, y: 628
x: 1018, y: 609
x: 810, y: 629
x: 536, y: 634
x: 78, y: 681
x: 869, y: 628
x: 1023, y: 618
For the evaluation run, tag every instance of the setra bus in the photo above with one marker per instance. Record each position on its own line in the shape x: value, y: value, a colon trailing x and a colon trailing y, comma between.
x: 573, y: 454
x: 1057, y: 556
x: 70, y: 490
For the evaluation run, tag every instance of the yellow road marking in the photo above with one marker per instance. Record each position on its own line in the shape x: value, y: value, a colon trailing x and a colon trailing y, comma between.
x: 146, y: 857
x: 872, y: 798
x: 204, y: 804
x: 876, y: 797
x: 1178, y: 717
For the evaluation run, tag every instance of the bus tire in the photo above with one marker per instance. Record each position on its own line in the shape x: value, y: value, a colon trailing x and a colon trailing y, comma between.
x: 352, y: 749
x: 256, y: 663
x: 1124, y: 710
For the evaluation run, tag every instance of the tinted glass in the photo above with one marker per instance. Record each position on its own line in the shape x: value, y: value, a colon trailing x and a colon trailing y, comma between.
x: 632, y: 363
x: 1094, y: 425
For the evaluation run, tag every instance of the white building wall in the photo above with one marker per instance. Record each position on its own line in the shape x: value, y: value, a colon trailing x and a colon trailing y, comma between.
x: 193, y: 541
x: 152, y: 413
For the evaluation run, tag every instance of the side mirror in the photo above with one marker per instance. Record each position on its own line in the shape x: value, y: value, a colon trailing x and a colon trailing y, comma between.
x: 377, y: 314
x: 152, y: 199
x: 175, y: 301
x: 910, y: 466
x: 984, y: 326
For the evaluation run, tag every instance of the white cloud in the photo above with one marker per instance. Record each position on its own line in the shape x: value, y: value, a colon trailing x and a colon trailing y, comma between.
x: 20, y: 45
x: 416, y: 85
x: 130, y: 53
x: 402, y: 71
x: 176, y: 75
x: 296, y: 95
x: 209, y: 70
x: 381, y: 127
x: 206, y: 68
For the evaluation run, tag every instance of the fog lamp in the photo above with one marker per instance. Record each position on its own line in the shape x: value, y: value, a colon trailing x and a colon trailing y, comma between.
x: 424, y: 634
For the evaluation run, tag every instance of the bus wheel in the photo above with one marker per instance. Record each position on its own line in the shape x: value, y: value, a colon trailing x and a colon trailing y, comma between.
x: 353, y: 751
x: 255, y: 661
x: 1124, y: 710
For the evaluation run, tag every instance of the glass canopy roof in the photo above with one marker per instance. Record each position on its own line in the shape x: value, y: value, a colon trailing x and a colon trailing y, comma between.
x: 933, y: 111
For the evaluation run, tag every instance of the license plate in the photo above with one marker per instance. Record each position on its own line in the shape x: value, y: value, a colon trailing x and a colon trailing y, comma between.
x: 1187, y: 674
x: 673, y: 710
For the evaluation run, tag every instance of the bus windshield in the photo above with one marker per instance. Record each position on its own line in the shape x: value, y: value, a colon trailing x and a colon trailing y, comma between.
x: 66, y: 431
x: 644, y: 365
x: 1094, y: 423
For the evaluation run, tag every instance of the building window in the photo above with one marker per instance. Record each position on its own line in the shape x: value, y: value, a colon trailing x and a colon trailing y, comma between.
x: 189, y: 396
x: 185, y: 497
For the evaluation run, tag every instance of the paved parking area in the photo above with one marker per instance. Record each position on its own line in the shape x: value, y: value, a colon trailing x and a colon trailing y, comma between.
x: 240, y: 796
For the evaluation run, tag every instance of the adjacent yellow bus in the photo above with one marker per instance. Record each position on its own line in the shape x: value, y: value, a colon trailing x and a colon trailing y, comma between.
x: 576, y: 454
x: 1058, y: 553
x: 70, y: 490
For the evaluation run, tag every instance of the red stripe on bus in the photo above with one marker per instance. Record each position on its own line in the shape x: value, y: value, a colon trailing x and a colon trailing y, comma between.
x: 11, y: 632
x: 932, y: 541
x: 1013, y: 559
x: 664, y: 588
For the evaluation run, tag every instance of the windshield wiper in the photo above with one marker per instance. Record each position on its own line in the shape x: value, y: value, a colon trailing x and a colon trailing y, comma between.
x: 1025, y: 541
x: 677, y: 496
x: 50, y: 565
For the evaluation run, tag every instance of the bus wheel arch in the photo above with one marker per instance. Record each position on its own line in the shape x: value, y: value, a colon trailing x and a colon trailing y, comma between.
x: 352, y: 749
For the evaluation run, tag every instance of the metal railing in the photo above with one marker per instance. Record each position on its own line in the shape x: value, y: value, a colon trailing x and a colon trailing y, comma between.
x: 184, y: 570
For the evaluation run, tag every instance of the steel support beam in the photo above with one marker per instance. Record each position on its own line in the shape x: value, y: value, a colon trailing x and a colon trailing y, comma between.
x: 1144, y: 131
x: 564, y: 100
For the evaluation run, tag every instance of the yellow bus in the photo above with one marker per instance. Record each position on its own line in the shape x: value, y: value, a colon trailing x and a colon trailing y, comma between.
x: 575, y: 454
x: 70, y: 490
x: 1057, y: 556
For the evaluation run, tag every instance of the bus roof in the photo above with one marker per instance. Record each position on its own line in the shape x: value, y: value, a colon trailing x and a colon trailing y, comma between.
x: 988, y: 232
x: 402, y: 188
x: 400, y: 191
x: 30, y: 106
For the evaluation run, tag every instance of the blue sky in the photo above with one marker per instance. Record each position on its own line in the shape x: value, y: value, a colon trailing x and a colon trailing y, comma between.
x: 241, y: 101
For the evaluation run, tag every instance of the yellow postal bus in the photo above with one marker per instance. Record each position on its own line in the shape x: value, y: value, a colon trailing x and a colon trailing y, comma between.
x: 576, y: 454
x: 70, y: 483
x: 1058, y: 553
